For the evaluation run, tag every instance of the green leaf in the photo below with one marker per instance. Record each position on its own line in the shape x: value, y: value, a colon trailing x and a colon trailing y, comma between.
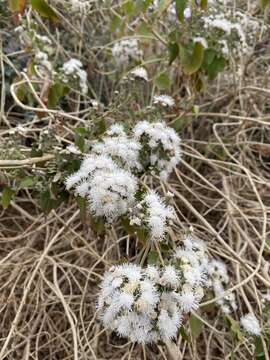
x: 17, y: 5
x: 204, y: 4
x: 98, y: 225
x: 144, y: 30
x: 7, y: 196
x: 217, y: 65
x: 152, y: 258
x: 115, y: 23
x: 46, y: 202
x: 180, y: 6
x: 192, y: 60
x: 234, y: 327
x: 82, y: 203
x: 79, y: 142
x: 181, y: 122
x: 128, y: 7
x: 196, y: 326
x: 173, y: 49
x: 162, y: 81
x: 184, y: 334
x: 259, y: 350
x: 44, y: 9
x: 26, y: 182
x: 209, y: 56
x: 142, y: 5
x: 264, y: 3
x: 56, y: 91
x: 163, y: 5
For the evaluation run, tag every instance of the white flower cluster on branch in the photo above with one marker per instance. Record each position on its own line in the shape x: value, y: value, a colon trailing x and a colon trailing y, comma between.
x: 141, y: 304
x: 161, y: 146
x: 150, y: 304
x: 107, y: 177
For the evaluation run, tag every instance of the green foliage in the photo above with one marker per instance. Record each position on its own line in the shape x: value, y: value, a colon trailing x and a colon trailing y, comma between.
x: 180, y: 6
x: 234, y: 328
x: 162, y: 81
x: 44, y: 9
x: 191, y: 57
x: 173, y: 49
x: 27, y: 182
x: 152, y: 258
x: 196, y: 326
x: 56, y: 91
x: 264, y: 3
x: 7, y: 196
x: 213, y: 63
x: 51, y: 198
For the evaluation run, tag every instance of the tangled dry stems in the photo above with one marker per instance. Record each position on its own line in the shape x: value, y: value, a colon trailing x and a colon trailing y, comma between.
x: 51, y: 266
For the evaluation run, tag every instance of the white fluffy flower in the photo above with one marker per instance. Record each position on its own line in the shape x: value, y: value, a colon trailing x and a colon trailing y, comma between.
x: 133, y: 303
x: 170, y: 277
x: 109, y: 189
x: 187, y: 13
x: 43, y: 59
x: 73, y: 67
x: 126, y: 49
x: 162, y: 145
x: 89, y: 166
x: 119, y: 147
x: 139, y: 72
x: 164, y: 100
x: 111, y: 193
x: 158, y: 215
x: 218, y: 278
x: 250, y: 324
x: 189, y: 301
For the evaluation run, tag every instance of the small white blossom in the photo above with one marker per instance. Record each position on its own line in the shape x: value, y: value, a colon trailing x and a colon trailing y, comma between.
x: 73, y: 67
x: 126, y: 49
x: 162, y: 145
x: 164, y: 100
x: 119, y: 147
x: 139, y: 72
x: 72, y: 149
x: 189, y: 301
x: 111, y: 193
x: 158, y: 215
x: 187, y: 13
x: 250, y: 324
x: 138, y: 306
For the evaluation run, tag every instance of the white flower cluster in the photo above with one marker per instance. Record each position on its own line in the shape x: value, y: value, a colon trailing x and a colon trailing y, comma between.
x: 237, y: 31
x: 109, y: 189
x: 126, y: 49
x: 158, y: 215
x: 218, y: 278
x: 139, y: 73
x: 80, y: 6
x: 194, y: 261
x: 41, y: 45
x: 149, y: 304
x: 163, y: 100
x: 161, y: 146
x: 145, y: 305
x: 43, y: 52
x: 251, y: 324
x: 153, y: 214
x: 106, y: 178
x: 73, y: 68
x: 120, y: 147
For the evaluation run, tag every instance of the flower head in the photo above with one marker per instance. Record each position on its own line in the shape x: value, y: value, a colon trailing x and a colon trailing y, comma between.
x: 250, y: 324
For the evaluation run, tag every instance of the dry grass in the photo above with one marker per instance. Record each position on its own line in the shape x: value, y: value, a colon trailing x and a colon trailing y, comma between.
x: 50, y: 266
